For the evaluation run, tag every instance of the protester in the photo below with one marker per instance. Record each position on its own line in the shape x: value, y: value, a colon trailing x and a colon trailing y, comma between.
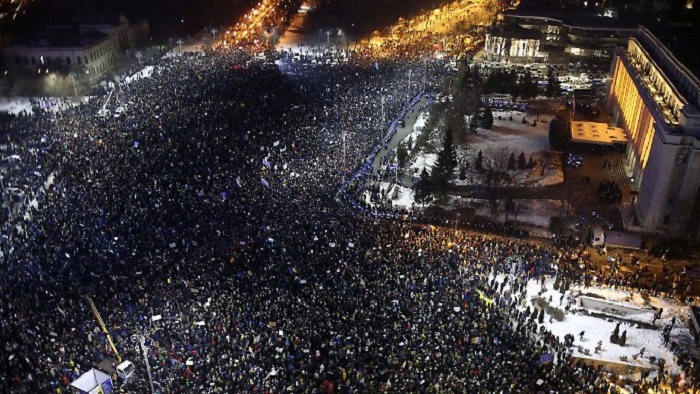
x: 225, y: 201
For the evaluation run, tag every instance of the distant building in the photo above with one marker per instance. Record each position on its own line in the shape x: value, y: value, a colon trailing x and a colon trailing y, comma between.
x: 512, y: 42
x: 91, y: 46
x: 655, y: 97
x: 573, y: 36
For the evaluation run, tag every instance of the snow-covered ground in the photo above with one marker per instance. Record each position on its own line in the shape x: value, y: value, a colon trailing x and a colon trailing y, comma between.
x: 599, y: 329
x: 424, y: 160
x: 417, y: 130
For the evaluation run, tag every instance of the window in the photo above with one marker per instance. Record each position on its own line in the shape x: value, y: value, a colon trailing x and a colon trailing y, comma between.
x: 667, y: 218
x: 78, y: 59
x: 33, y: 61
x: 68, y: 60
x: 86, y: 62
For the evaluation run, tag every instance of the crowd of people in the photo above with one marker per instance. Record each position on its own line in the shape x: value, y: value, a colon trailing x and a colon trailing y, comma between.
x: 221, y: 202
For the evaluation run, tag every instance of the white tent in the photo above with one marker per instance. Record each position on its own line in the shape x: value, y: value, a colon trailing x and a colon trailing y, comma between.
x: 93, y: 381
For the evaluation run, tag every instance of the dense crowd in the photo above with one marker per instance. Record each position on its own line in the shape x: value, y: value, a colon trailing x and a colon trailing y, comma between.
x: 214, y: 203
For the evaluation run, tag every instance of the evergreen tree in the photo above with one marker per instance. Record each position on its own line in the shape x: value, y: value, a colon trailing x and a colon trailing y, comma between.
x: 531, y: 163
x: 527, y: 86
x: 511, y: 162
x: 445, y: 164
x: 423, y: 188
x: 401, y: 154
x: 486, y: 118
x: 479, y: 163
x: 623, y: 339
x: 462, y: 174
x: 474, y: 121
x: 558, y: 135
x: 521, y: 161
x: 553, y: 85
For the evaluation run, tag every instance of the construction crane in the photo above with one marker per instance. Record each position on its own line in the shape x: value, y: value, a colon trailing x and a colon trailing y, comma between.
x: 104, y: 328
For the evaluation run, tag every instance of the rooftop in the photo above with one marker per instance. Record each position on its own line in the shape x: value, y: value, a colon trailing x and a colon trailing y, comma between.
x: 597, y: 133
x: 60, y: 39
x: 513, y: 30
x: 575, y: 18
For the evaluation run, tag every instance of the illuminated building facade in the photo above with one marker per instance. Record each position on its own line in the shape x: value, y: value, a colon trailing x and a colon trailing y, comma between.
x: 655, y: 98
x: 512, y: 42
x: 571, y: 35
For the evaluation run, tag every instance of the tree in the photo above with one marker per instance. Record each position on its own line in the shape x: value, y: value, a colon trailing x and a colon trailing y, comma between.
x: 474, y: 121
x: 401, y: 154
x: 527, y: 86
x: 558, y: 135
x: 445, y: 164
x: 623, y: 339
x: 531, y: 163
x: 521, y: 161
x: 511, y: 162
x: 486, y: 118
x: 423, y: 188
x: 553, y: 88
x: 479, y: 163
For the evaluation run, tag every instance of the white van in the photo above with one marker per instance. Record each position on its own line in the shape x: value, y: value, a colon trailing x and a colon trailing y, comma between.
x: 125, y: 369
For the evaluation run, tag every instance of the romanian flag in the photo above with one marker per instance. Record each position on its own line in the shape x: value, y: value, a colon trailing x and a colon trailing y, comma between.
x: 295, y: 145
x: 476, y: 340
x: 487, y: 300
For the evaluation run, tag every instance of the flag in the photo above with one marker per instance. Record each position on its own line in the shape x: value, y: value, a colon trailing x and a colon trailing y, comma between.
x: 546, y: 359
x: 282, y: 149
x: 238, y: 181
x: 264, y: 182
x: 276, y: 143
x: 265, y: 162
x: 295, y: 144
x: 476, y: 340
x: 487, y: 300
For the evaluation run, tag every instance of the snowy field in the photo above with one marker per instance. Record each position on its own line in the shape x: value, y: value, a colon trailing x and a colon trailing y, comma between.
x: 537, y: 213
x: 600, y: 328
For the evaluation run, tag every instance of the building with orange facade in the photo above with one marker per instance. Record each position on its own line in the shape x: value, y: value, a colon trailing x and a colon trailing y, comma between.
x: 655, y: 98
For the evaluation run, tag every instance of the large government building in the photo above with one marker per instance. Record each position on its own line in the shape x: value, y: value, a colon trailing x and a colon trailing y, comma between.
x: 655, y: 96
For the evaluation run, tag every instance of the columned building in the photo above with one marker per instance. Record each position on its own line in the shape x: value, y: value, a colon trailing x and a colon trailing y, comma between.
x: 656, y: 99
x: 512, y: 42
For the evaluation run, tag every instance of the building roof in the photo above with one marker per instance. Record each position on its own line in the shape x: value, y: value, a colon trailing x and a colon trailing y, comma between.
x: 575, y: 18
x: 513, y: 30
x: 683, y: 42
x: 60, y: 39
x: 597, y: 133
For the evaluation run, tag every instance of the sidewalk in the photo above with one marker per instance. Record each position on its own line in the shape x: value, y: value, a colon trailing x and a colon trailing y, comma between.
x: 388, y: 150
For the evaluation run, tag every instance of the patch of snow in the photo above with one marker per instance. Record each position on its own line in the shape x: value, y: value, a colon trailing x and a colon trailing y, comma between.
x: 424, y: 160
x: 537, y: 213
x: 405, y: 199
x: 599, y: 329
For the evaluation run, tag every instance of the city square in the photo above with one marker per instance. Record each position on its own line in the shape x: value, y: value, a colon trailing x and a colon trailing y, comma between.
x: 454, y: 197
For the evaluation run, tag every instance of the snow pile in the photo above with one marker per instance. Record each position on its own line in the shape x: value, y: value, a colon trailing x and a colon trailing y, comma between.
x: 537, y: 213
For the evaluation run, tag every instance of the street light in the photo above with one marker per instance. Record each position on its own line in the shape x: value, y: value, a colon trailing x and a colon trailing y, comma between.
x: 72, y: 78
x: 213, y: 32
x: 140, y: 338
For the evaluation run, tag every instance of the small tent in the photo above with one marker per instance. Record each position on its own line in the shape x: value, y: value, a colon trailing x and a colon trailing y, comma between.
x: 93, y: 381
